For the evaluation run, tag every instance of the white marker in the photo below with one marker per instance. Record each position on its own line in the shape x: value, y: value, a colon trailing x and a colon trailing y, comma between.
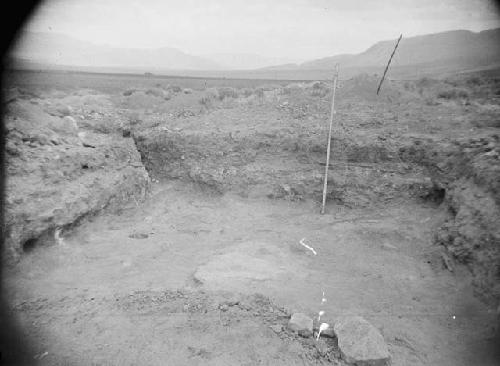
x: 307, y: 246
x: 322, y: 327
x: 57, y: 236
x: 320, y: 314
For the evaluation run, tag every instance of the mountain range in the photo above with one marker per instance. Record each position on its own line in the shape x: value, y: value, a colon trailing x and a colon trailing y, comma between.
x: 461, y: 48
x: 445, y: 52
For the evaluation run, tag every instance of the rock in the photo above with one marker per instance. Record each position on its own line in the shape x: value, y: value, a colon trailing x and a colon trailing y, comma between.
x: 305, y: 333
x: 65, y: 110
x: 138, y: 236
x: 302, y: 324
x: 71, y: 123
x: 12, y: 149
x: 85, y: 140
x: 321, y: 347
x: 360, y: 343
x: 388, y: 246
x: 277, y: 328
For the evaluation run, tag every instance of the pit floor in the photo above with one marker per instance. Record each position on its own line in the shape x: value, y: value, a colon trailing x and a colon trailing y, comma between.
x: 379, y: 263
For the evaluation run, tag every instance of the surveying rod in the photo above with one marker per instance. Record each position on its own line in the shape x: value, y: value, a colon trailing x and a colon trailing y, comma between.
x: 325, y: 183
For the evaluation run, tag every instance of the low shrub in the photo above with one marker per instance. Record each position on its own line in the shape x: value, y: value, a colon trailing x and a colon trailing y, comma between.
x: 409, y: 86
x: 291, y: 88
x: 474, y: 81
x: 129, y: 92
x: 227, y: 92
x: 155, y: 92
x: 453, y: 93
x: 259, y: 92
x: 246, y: 92
x: 426, y: 82
x: 212, y: 93
x: 206, y: 101
x: 174, y: 88
x: 319, y: 89
x: 134, y: 118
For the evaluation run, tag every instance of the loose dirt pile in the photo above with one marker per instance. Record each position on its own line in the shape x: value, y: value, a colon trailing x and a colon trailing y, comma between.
x: 217, y: 327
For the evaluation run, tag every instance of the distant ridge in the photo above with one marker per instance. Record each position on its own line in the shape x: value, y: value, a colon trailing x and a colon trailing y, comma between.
x: 59, y: 49
x: 456, y: 50
x: 436, y: 54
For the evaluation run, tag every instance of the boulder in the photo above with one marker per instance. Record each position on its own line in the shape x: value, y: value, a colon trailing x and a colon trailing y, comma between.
x: 360, y: 343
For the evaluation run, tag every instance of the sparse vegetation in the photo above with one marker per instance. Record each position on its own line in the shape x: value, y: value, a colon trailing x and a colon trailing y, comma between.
x: 129, y: 92
x: 174, y: 88
x: 246, y: 92
x: 319, y: 89
x: 453, y: 93
x: 227, y: 92
x: 156, y: 92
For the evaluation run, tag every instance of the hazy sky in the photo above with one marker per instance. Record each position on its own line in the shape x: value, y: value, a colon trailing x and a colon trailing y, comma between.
x: 295, y: 29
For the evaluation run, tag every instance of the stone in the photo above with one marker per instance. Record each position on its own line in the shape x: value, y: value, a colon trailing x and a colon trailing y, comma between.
x: 321, y: 347
x: 360, y: 343
x: 302, y: 324
x: 84, y: 139
x: 138, y: 236
x: 304, y: 333
x: 246, y: 264
x: 71, y: 123
x: 388, y: 246
x: 276, y: 328
x: 64, y: 110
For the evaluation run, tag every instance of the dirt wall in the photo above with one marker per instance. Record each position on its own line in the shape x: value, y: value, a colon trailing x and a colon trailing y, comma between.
x: 59, y: 173
x: 468, y: 170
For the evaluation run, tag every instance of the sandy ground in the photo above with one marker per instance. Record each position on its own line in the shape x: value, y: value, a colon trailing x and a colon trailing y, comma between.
x: 111, y: 295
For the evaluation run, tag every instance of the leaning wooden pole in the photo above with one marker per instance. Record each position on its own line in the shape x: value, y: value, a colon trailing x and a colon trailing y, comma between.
x: 388, y: 63
x: 332, y: 113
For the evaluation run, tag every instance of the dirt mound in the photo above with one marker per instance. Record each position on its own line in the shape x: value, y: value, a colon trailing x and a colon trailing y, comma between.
x: 364, y: 87
x: 59, y: 173
x: 201, y: 328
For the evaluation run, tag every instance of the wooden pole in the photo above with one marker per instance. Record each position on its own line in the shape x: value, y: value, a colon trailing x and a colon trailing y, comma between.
x: 332, y: 113
x: 388, y: 63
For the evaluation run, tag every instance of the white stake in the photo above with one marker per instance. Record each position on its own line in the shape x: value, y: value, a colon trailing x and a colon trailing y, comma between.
x: 322, y: 327
x: 57, y: 236
x: 307, y: 246
x: 320, y: 314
